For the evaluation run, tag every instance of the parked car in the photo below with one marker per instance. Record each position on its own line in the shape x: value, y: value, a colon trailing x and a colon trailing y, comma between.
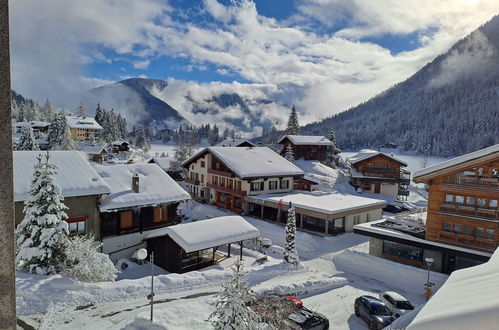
x: 373, y: 311
x: 393, y: 209
x: 304, y: 318
x: 397, y: 303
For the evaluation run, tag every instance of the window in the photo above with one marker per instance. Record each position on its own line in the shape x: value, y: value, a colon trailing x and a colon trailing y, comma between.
x: 230, y: 184
x: 126, y: 219
x: 479, y: 232
x: 203, y: 164
x: 493, y: 204
x: 491, y: 234
x: 448, y: 198
x: 77, y: 225
x: 273, y: 185
x: 238, y: 185
x: 446, y: 226
x: 470, y: 201
x: 468, y: 230
x: 368, y: 217
x: 356, y: 219
x: 202, y: 178
x: 459, y: 200
x: 481, y: 202
x: 457, y: 228
x: 222, y: 182
x: 403, y: 251
x: 284, y: 184
x: 257, y: 186
x: 215, y: 180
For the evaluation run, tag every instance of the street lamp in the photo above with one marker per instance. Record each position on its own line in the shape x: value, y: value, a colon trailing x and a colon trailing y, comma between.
x: 428, y: 285
x: 141, y: 255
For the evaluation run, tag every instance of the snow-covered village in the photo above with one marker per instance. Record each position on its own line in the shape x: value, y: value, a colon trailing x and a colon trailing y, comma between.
x: 249, y: 164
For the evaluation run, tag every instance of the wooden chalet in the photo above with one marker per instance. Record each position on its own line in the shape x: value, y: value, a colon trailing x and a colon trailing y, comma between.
x: 95, y: 153
x: 379, y: 173
x: 463, y: 195
x: 236, y: 143
x: 120, y: 147
x: 308, y: 147
x: 191, y: 246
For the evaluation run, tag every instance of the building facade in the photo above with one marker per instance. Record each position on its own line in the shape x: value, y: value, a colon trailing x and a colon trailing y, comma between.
x: 84, y: 128
x: 308, y: 147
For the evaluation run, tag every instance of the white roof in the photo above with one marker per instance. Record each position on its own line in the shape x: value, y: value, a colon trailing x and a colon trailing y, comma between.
x: 396, y: 296
x: 162, y: 162
x: 155, y: 187
x: 93, y: 150
x: 469, y: 299
x: 368, y: 153
x: 208, y: 233
x: 457, y: 160
x: 307, y: 140
x: 32, y: 124
x: 251, y: 162
x: 234, y: 143
x: 74, y: 176
x: 83, y: 123
x: 328, y: 203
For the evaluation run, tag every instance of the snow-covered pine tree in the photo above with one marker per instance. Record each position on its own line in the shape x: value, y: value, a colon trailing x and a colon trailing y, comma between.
x: 141, y: 139
x: 122, y: 130
x: 232, y: 307
x: 22, y: 114
x: 81, y: 111
x: 60, y: 134
x: 48, y: 111
x: 98, y: 114
x: 332, y: 137
x: 293, y: 127
x: 84, y: 261
x: 290, y: 253
x: 289, y: 155
x: 27, y: 140
x: 41, y: 235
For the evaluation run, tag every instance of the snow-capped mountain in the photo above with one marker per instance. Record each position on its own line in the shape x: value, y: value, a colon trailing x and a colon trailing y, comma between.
x: 449, y: 107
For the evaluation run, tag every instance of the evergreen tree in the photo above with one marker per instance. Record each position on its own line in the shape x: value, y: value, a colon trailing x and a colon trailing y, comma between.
x: 290, y: 157
x: 293, y: 127
x: 48, y: 111
x: 232, y: 307
x: 332, y: 137
x: 27, y: 140
x: 183, y: 151
x: 122, y: 130
x: 22, y: 113
x: 141, y: 140
x: 59, y: 134
x: 41, y: 235
x: 290, y: 253
x: 81, y: 111
x: 98, y: 114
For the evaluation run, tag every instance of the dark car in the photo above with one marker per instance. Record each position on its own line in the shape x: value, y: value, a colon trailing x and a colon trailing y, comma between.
x: 304, y: 318
x: 373, y: 311
x: 393, y: 209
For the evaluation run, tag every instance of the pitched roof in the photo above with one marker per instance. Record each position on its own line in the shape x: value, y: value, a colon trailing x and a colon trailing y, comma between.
x: 305, y: 140
x: 457, y: 160
x: 93, y: 150
x: 204, y: 234
x: 74, y: 175
x: 251, y: 162
x: 234, y: 143
x: 155, y: 187
x: 162, y: 162
x: 368, y: 153
x: 83, y: 123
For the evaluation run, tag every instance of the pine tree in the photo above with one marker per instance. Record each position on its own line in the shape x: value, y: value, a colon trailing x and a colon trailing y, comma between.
x: 293, y: 127
x: 41, y: 235
x: 98, y: 114
x: 22, y: 113
x: 48, y: 111
x: 290, y: 253
x: 141, y: 139
x: 289, y: 155
x: 332, y: 137
x: 27, y: 140
x: 232, y: 307
x: 59, y: 134
x: 81, y: 111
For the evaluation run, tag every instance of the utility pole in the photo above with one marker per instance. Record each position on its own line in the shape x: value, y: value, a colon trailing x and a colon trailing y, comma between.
x: 7, y: 264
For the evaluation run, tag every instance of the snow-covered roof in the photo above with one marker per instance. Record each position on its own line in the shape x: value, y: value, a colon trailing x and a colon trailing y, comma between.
x: 118, y: 143
x: 93, y: 150
x: 75, y: 176
x: 469, y: 299
x: 368, y: 153
x: 83, y: 122
x: 32, y: 124
x: 327, y: 203
x: 307, y: 140
x: 155, y: 187
x: 162, y: 162
x: 251, y: 162
x: 234, y: 143
x: 457, y: 160
x: 208, y: 233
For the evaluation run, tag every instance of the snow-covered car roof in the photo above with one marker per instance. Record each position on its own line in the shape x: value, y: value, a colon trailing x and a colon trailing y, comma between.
x: 368, y: 153
x: 204, y: 234
x: 155, y: 187
x: 74, y: 175
x: 396, y: 296
x: 251, y: 162
x: 304, y: 140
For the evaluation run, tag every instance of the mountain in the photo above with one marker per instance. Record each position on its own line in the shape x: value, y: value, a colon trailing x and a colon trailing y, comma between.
x: 449, y: 107
x: 134, y: 99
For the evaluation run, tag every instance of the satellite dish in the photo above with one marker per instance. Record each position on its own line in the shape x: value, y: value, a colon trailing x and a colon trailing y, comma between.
x: 140, y: 254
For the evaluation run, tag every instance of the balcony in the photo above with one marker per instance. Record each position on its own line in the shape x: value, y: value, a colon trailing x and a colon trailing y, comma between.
x: 478, y: 213
x: 221, y: 173
x: 227, y: 190
x: 467, y: 241
x: 403, y: 192
x: 192, y: 181
x: 472, y: 181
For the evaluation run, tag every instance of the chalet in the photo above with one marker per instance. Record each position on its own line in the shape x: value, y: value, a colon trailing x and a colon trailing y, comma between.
x: 318, y: 212
x: 83, y: 128
x: 236, y: 143
x: 308, y: 147
x: 225, y: 176
x: 463, y: 195
x: 379, y: 173
x: 80, y: 185
x: 119, y: 147
x: 190, y: 246
x: 95, y: 153
x: 143, y: 197
x: 39, y: 127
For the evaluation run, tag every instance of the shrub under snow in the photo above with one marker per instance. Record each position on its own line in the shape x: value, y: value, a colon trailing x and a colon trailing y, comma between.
x: 290, y: 254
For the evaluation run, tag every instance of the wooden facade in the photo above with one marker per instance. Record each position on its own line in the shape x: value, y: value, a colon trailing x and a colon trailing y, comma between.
x: 463, y: 203
x: 307, y: 152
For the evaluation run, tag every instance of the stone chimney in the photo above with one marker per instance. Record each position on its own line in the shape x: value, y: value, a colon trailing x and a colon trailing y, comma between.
x: 135, y: 183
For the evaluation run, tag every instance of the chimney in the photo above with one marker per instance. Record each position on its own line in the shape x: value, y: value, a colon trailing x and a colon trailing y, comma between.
x: 135, y: 182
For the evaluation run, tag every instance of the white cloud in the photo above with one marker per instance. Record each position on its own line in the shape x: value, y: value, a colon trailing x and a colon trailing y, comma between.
x: 141, y: 64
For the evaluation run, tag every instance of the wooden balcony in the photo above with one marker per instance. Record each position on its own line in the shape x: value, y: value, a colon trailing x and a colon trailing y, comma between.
x: 489, y: 183
x: 227, y: 190
x: 478, y: 213
x: 192, y: 181
x: 467, y: 241
x: 221, y: 173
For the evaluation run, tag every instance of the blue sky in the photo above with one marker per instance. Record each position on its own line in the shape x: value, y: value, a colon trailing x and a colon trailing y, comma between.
x: 322, y: 55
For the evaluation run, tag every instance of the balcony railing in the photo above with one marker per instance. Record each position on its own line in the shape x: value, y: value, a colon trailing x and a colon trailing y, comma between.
x: 472, y: 180
x: 221, y: 173
x: 192, y: 181
x: 470, y: 211
x: 467, y: 241
x: 227, y: 190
